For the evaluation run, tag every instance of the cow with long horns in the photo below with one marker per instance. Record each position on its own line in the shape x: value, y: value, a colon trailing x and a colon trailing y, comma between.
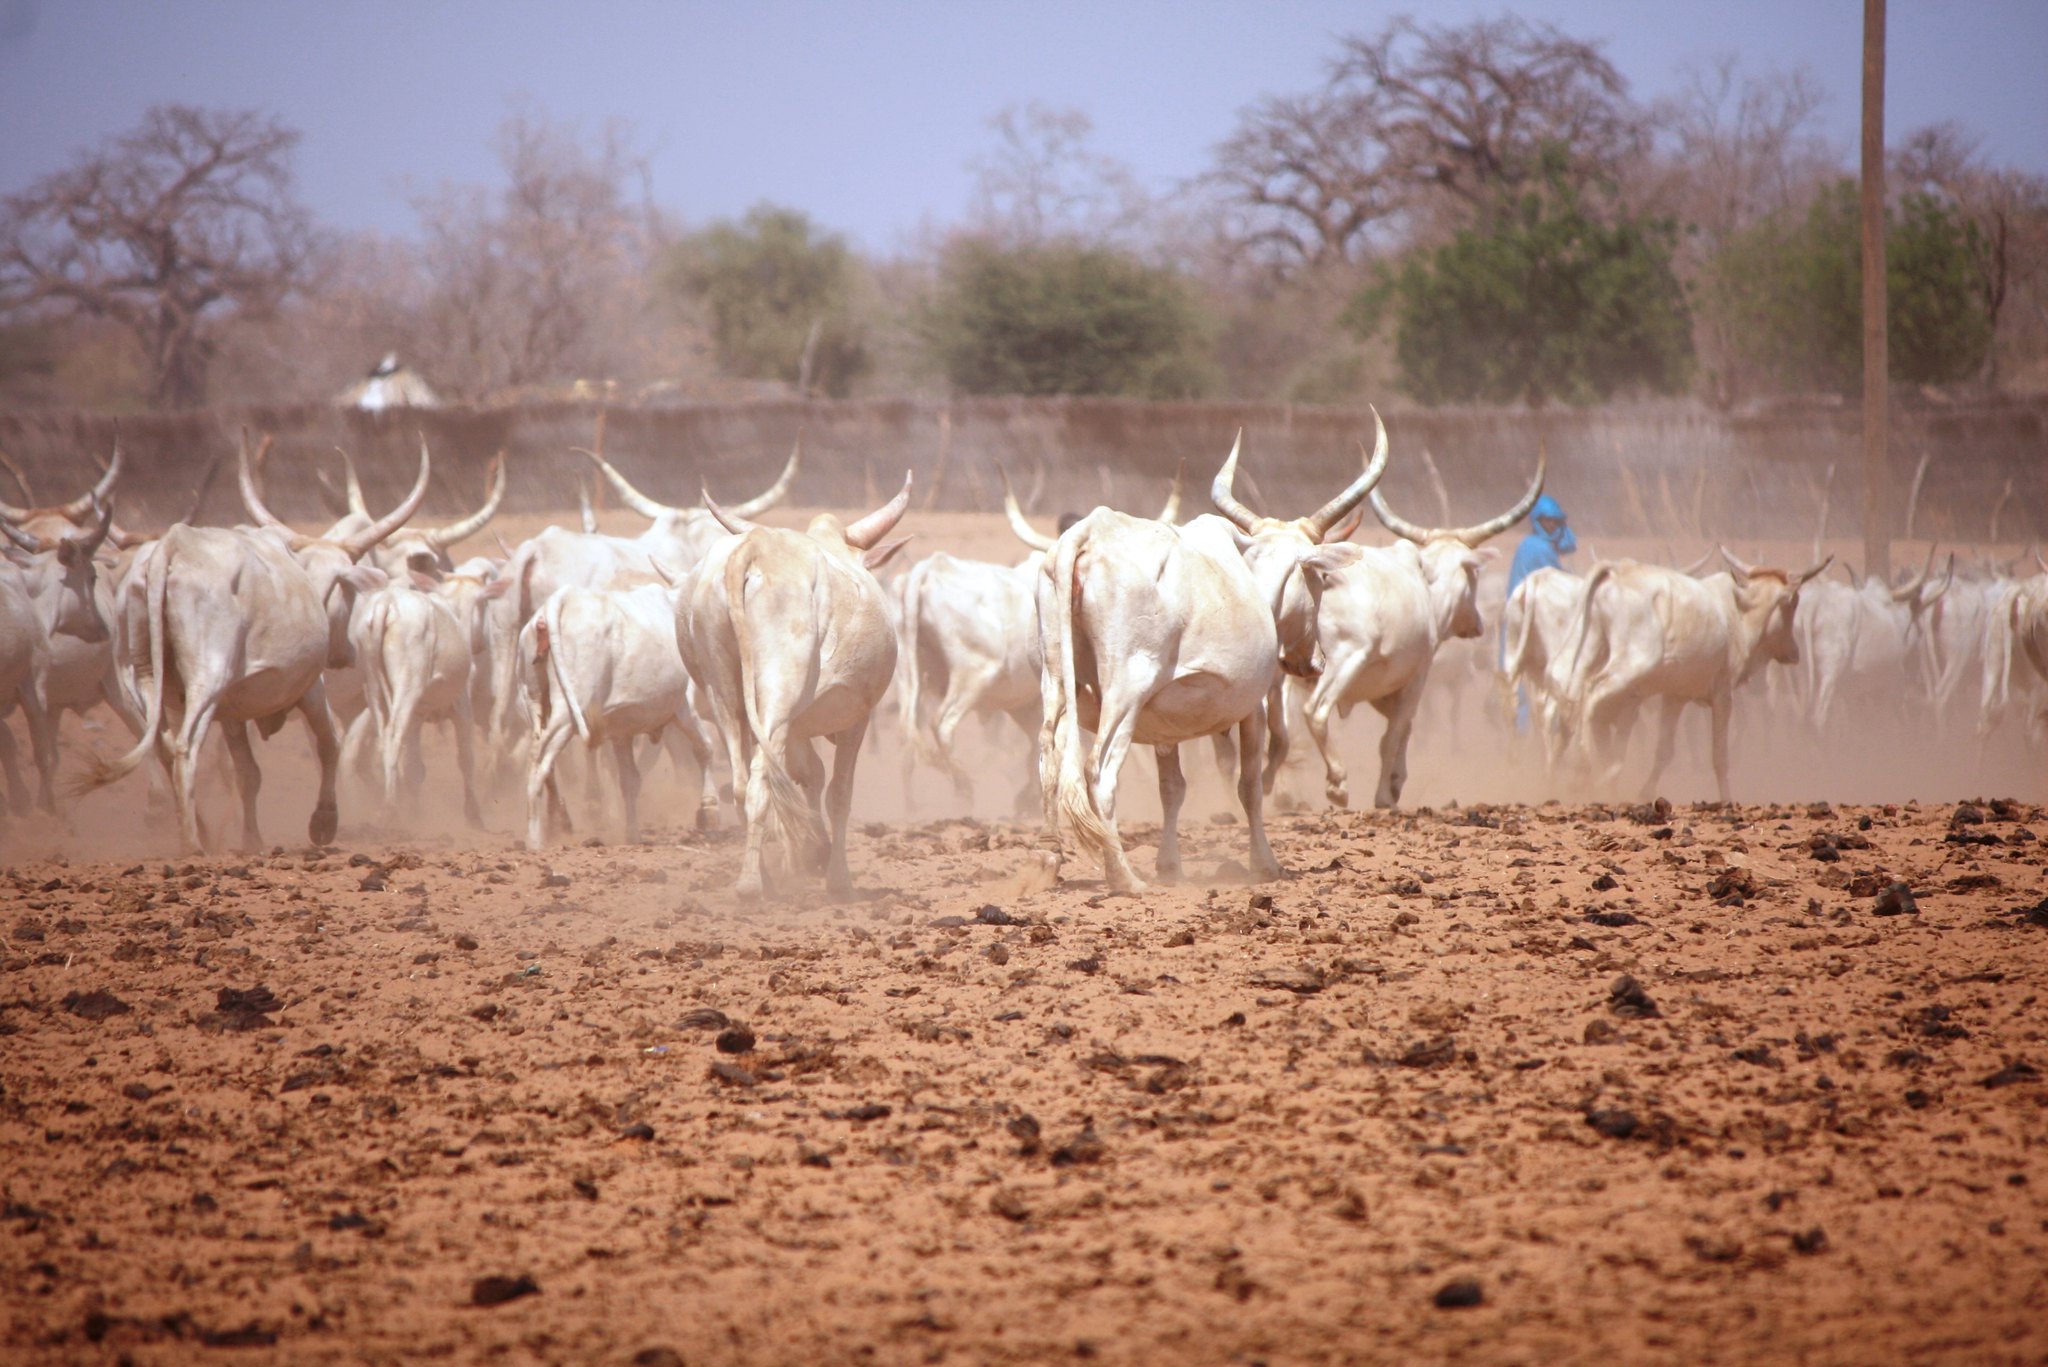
x: 1381, y: 623
x: 234, y: 625
x: 788, y: 632
x: 1156, y: 635
x: 1646, y: 631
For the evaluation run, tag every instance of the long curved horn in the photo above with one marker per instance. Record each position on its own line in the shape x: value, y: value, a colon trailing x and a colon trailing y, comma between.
x: 21, y: 481
x: 28, y: 542
x: 1742, y: 568
x: 1907, y: 592
x: 246, y: 477
x: 777, y: 491
x: 444, y: 537
x: 1220, y: 493
x: 589, y: 513
x: 863, y: 535
x: 199, y: 499
x: 631, y: 497
x: 354, y: 485
x: 1492, y: 527
x: 1018, y: 526
x: 1322, y: 519
x: 87, y: 543
x: 359, y: 545
x: 1692, y: 571
x: 733, y: 523
x: 1170, y: 514
x: 1800, y: 580
x: 1393, y: 522
x: 87, y: 504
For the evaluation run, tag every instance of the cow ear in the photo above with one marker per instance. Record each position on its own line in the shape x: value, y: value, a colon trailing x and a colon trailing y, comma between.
x: 1486, y: 553
x: 1326, y: 560
x: 421, y: 579
x: 495, y: 588
x: 879, y: 556
x: 365, y: 578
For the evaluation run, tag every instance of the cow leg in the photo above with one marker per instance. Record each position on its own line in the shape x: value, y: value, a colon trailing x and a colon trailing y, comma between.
x: 1322, y: 701
x: 1027, y: 722
x: 1119, y: 723
x: 542, y: 797
x: 10, y: 760
x: 1718, y: 710
x: 839, y: 806
x: 1251, y: 793
x: 1173, y: 790
x: 42, y: 744
x: 248, y: 780
x: 958, y: 704
x: 1399, y: 711
x: 1276, y: 734
x: 1667, y: 742
x: 629, y: 785
x: 465, y: 760
x: 185, y: 753
x: 689, y: 732
x: 326, y: 815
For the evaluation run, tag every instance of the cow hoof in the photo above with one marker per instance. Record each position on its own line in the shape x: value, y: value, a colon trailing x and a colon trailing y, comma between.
x: 747, y: 889
x: 707, y: 817
x: 320, y: 830
x: 1339, y: 796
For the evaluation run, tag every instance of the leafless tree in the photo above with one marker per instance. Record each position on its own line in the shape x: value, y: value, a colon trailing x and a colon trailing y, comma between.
x: 2009, y: 209
x: 1471, y: 109
x: 1044, y: 181
x: 1417, y: 126
x: 1736, y: 146
x: 170, y: 231
x: 528, y: 278
x: 1307, y: 176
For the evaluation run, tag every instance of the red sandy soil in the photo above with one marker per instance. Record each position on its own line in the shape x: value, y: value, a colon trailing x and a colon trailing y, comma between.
x: 1215, y: 1123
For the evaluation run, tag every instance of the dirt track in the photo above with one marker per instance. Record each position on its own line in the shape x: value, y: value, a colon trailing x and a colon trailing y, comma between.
x: 1199, y: 1126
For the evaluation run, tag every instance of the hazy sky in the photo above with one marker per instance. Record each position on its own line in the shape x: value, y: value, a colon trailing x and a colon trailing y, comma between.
x: 866, y: 114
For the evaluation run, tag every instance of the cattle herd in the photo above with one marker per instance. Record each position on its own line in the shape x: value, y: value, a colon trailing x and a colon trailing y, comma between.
x: 736, y: 646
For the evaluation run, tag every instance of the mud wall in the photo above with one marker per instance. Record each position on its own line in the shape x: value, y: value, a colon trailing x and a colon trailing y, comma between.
x: 1666, y: 469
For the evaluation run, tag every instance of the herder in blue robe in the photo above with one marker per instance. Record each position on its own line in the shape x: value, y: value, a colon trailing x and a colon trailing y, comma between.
x: 1549, y: 540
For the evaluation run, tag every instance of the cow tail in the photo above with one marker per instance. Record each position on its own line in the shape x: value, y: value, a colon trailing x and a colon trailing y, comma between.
x: 1076, y: 799
x: 101, y: 772
x: 791, y: 813
x: 1582, y: 627
x: 924, y: 741
x: 558, y: 677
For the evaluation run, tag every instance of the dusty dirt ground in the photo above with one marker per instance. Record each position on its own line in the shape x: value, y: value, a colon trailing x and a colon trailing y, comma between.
x: 1663, y: 1086
x: 1649, y: 1085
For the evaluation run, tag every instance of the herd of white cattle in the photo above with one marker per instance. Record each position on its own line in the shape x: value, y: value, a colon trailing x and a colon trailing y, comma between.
x: 723, y: 640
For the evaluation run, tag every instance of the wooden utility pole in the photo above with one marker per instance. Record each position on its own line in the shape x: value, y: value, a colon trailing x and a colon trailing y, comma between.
x: 1877, y: 478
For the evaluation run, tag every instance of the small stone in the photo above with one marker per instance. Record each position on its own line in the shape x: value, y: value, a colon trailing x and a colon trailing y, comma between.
x: 737, y: 1040
x: 1896, y: 900
x: 1461, y: 1294
x: 498, y: 1290
x: 1615, y: 1124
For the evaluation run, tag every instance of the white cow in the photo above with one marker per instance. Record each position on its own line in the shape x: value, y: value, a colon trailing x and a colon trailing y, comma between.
x: 23, y: 660
x: 236, y: 625
x: 968, y: 645
x: 1158, y: 635
x: 1858, y: 638
x: 788, y: 633
x: 1647, y: 631
x: 600, y: 665
x: 1381, y: 622
x: 412, y: 646
x: 58, y: 577
x: 1536, y: 662
x: 558, y: 558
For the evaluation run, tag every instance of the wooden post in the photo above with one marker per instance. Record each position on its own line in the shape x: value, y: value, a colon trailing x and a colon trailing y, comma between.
x: 1877, y: 492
